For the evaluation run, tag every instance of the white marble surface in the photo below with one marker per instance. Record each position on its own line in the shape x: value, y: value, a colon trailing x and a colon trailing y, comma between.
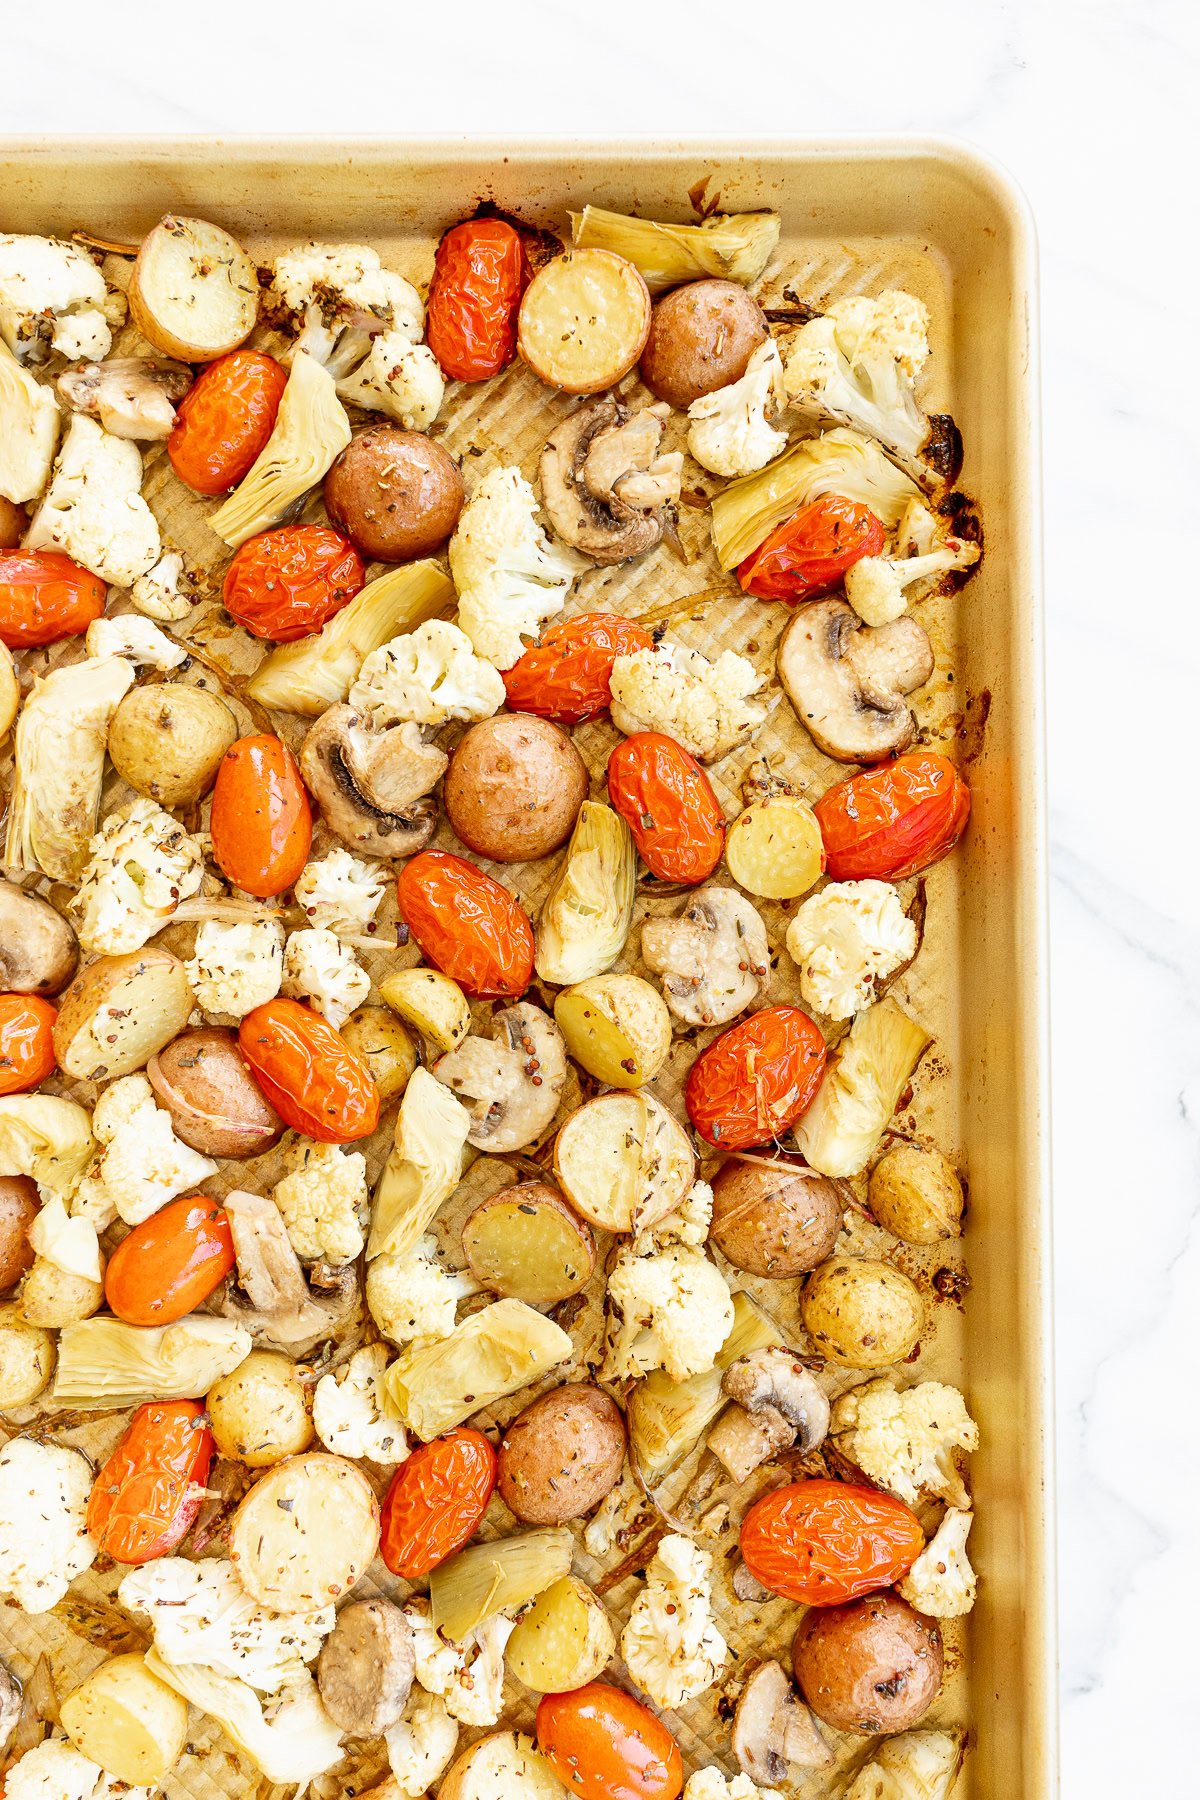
x: 1093, y: 105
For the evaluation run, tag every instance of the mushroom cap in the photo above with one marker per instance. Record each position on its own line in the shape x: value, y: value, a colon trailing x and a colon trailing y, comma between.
x: 514, y: 1078
x: 582, y: 462
x: 39, y: 952
x: 371, y: 786
x: 713, y: 960
x: 848, y: 681
x: 774, y: 1380
x: 366, y: 1668
x: 277, y: 1305
x: 773, y: 1730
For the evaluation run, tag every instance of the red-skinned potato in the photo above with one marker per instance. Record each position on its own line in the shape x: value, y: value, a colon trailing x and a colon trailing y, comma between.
x: 771, y: 1220
x: 514, y: 788
x: 396, y: 494
x: 19, y: 1207
x: 871, y: 1665
x: 215, y: 1104
x: 701, y: 338
x: 561, y: 1455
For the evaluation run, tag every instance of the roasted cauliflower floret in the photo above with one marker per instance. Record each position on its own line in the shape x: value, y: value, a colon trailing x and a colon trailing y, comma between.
x: 669, y: 1310
x: 137, y: 639
x: 141, y: 1164
x: 336, y: 297
x: 318, y: 968
x: 671, y: 1645
x: 158, y: 592
x: 234, y: 968
x: 93, y: 509
x: 421, y: 1743
x: 941, y: 1583
x: 905, y: 1439
x: 857, y: 362
x: 324, y: 1202
x: 141, y: 864
x: 845, y: 939
x: 710, y: 1784
x: 877, y: 586
x: 340, y: 893
x: 412, y: 1296
x: 703, y: 705
x: 199, y: 1612
x: 55, y: 1770
x: 430, y: 675
x: 350, y: 1410
x: 469, y: 1676
x: 730, y: 432
x: 399, y: 378
x: 510, y: 578
x: 53, y: 297
x: 44, y: 1543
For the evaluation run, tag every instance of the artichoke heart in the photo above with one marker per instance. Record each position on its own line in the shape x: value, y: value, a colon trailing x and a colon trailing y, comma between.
x: 860, y: 1089
x: 729, y: 246
x: 424, y: 1168
x: 489, y: 1578
x: 435, y: 1385
x: 104, y: 1362
x: 586, y: 918
x: 311, y: 429
x: 59, y: 748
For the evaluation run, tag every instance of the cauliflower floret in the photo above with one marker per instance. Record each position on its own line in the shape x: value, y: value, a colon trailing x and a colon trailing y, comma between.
x: 941, y: 1583
x: 688, y: 1224
x: 55, y: 1770
x: 335, y: 296
x: 620, y: 1514
x: 411, y: 1296
x: 430, y: 675
x: 44, y: 1542
x: 710, y: 1784
x: 339, y: 893
x: 729, y: 431
x: 876, y: 586
x: 399, y: 378
x: 93, y: 509
x: 671, y: 1646
x: 920, y: 1764
x: 200, y: 1613
x: 857, y: 364
x: 157, y: 592
x: 141, y: 864
x: 844, y: 939
x: 29, y: 422
x: 136, y: 639
x: 421, y: 1743
x: 350, y: 1410
x: 469, y: 1676
x: 893, y: 324
x: 319, y: 968
x: 324, y: 1202
x: 905, y: 1439
x: 53, y: 297
x: 703, y: 705
x: 142, y: 1164
x: 234, y: 968
x: 510, y: 578
x: 289, y: 1736
x: 671, y: 1310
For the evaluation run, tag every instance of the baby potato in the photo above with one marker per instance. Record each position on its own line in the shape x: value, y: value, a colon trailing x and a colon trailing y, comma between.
x: 617, y: 1027
x: 527, y: 1244
x: 869, y: 1665
x: 168, y: 741
x: 396, y: 494
x: 514, y: 787
x: 52, y: 1297
x: 378, y: 1037
x: 262, y: 1412
x: 495, y: 1767
x: 916, y: 1195
x: 862, y: 1313
x: 584, y: 320
x: 774, y: 848
x: 702, y: 335
x: 432, y: 1002
x: 771, y: 1221
x: 19, y: 1207
x: 216, y: 1106
x: 194, y: 291
x: 119, y: 1011
x: 624, y: 1161
x: 562, y: 1455
x: 127, y: 1720
x: 564, y: 1641
x: 26, y: 1358
x: 305, y: 1533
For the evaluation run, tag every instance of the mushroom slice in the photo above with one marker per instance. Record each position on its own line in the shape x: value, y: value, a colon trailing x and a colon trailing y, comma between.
x: 773, y: 1730
x: 276, y: 1304
x: 132, y: 396
x: 38, y: 950
x: 371, y: 786
x: 366, y: 1668
x: 713, y: 960
x: 778, y: 1403
x: 514, y: 1078
x: 604, y: 484
x: 849, y: 681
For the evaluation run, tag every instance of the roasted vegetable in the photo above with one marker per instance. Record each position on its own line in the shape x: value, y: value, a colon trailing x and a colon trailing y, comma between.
x: 437, y: 1384
x: 734, y: 246
x: 860, y: 1089
x: 488, y: 1578
x: 103, y: 1362
x: 311, y: 427
x: 586, y: 916
x: 59, y: 747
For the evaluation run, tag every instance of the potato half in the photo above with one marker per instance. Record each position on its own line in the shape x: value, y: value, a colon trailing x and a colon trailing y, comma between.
x: 527, y: 1244
x: 281, y: 1542
x: 774, y: 848
x: 127, y: 1720
x: 584, y: 320
x: 617, y: 1027
x: 432, y: 1002
x: 564, y: 1641
x: 502, y: 1764
x: 194, y: 290
x: 119, y: 1012
x: 624, y: 1161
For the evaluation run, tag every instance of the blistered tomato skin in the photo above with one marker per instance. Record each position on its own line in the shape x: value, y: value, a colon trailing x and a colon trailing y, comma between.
x: 810, y: 552
x: 44, y: 597
x: 26, y: 1042
x: 669, y: 805
x: 436, y: 1502
x: 605, y: 1745
x: 285, y: 584
x: 261, y: 820
x: 170, y: 1263
x: 466, y: 924
x: 893, y: 820
x: 566, y: 677
x: 756, y: 1079
x: 148, y: 1493
x: 309, y: 1073
x: 471, y: 319
x: 224, y: 420
x: 824, y: 1542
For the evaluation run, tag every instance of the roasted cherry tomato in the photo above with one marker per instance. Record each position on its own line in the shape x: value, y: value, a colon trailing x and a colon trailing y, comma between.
x: 823, y: 1542
x: 261, y: 820
x: 605, y: 1745
x: 471, y: 318
x: 224, y: 420
x: 810, y: 552
x: 287, y: 583
x: 148, y: 1493
x: 893, y: 820
x: 566, y: 676
x: 436, y: 1502
x: 170, y: 1263
x: 468, y: 926
x: 44, y: 596
x: 756, y: 1078
x: 26, y: 1042
x: 668, y: 803
x: 309, y: 1073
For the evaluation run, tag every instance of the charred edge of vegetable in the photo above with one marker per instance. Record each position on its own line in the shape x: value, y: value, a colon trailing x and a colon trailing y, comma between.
x: 943, y: 449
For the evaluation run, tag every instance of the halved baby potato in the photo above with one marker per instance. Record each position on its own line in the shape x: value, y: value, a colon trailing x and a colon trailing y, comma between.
x: 584, y: 320
x: 127, y: 1720
x: 526, y: 1243
x: 194, y: 290
x: 624, y: 1161
x: 503, y: 1763
x: 119, y: 1011
x: 617, y: 1027
x: 385, y: 1045
x: 432, y: 1002
x: 281, y: 1544
x: 774, y: 848
x: 564, y: 1641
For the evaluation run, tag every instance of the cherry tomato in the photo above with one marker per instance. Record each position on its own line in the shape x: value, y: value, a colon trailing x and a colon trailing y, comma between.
x: 467, y: 925
x: 44, y: 596
x: 224, y: 420
x: 810, y: 552
x: 893, y: 820
x: 668, y: 803
x: 309, y: 1073
x: 756, y: 1078
x: 436, y: 1502
x: 566, y: 676
x: 471, y: 318
x: 287, y: 583
x: 26, y: 1043
x: 148, y: 1493
x: 823, y: 1542
x: 605, y: 1745
x: 170, y: 1262
x: 261, y: 820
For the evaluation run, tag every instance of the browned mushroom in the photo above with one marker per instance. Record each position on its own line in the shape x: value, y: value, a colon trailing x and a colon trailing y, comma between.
x: 132, y: 396
x: 373, y: 786
x: 604, y: 483
x: 773, y: 1730
x: 272, y: 1299
x: 714, y: 959
x: 848, y: 681
x: 514, y: 1078
x: 366, y: 1667
x: 777, y: 1404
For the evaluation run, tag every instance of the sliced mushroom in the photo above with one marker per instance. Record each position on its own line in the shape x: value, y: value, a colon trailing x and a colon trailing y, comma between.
x: 514, y: 1078
x: 38, y: 950
x: 848, y: 681
x: 11, y: 1694
x: 366, y: 1667
x: 777, y: 1404
x: 275, y: 1302
x: 748, y: 1587
x: 132, y: 396
x: 604, y: 484
x: 371, y: 786
x: 773, y: 1730
x: 714, y: 959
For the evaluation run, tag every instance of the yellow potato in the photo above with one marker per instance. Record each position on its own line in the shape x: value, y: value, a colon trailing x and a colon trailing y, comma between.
x: 584, y: 320
x: 527, y: 1244
x: 624, y: 1161
x: 564, y: 1641
x: 432, y: 1002
x: 617, y: 1027
x: 306, y: 1533
x: 194, y: 291
x: 503, y: 1764
x: 774, y: 848
x: 385, y: 1046
x: 118, y: 1012
x: 26, y: 1358
x: 127, y: 1720
x: 916, y: 1195
x: 862, y: 1313
x: 262, y: 1412
x: 168, y: 741
x: 51, y: 1297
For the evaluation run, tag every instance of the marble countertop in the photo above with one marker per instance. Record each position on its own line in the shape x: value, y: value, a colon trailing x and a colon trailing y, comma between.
x: 1092, y: 104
